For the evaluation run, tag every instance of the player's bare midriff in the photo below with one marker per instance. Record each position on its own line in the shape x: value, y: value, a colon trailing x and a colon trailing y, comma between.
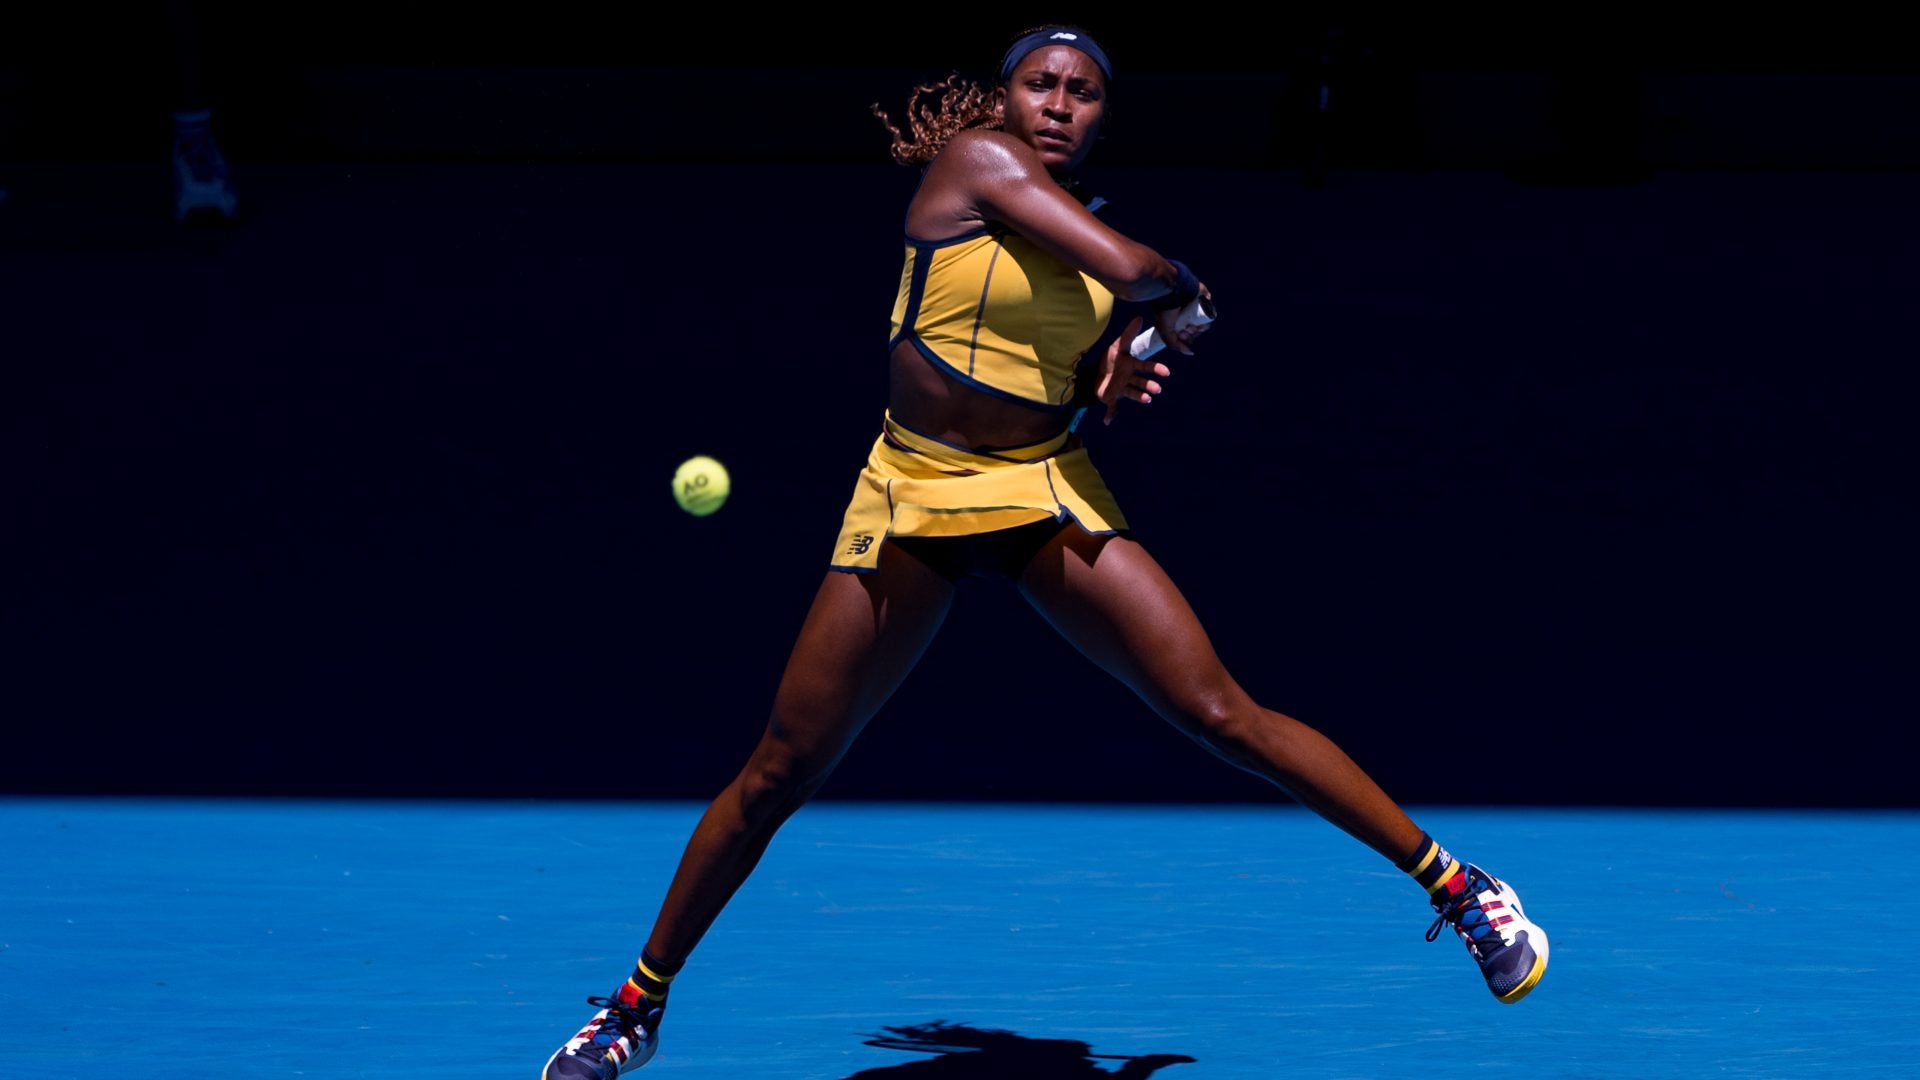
x: 932, y: 402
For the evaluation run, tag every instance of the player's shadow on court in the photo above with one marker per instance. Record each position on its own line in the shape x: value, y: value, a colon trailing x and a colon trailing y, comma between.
x: 970, y: 1053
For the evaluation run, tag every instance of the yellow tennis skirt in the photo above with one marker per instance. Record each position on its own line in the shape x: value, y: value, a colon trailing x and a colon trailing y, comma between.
x: 917, y: 485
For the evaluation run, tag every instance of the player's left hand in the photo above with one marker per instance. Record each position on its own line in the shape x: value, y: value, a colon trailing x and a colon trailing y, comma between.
x: 1123, y: 378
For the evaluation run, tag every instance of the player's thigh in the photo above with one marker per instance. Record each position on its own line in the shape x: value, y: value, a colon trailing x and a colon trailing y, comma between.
x: 1115, y: 603
x: 861, y: 637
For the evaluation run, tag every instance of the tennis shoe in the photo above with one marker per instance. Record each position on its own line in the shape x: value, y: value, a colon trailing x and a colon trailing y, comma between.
x: 621, y: 1037
x: 1509, y: 947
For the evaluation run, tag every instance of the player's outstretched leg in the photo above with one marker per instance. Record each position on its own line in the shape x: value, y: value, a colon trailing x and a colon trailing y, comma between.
x: 861, y: 637
x: 1114, y: 602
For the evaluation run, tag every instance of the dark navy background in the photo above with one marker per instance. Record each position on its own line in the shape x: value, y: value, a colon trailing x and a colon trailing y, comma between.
x: 1553, y: 446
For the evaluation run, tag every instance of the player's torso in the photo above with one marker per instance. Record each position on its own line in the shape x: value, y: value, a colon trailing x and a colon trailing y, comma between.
x: 999, y: 314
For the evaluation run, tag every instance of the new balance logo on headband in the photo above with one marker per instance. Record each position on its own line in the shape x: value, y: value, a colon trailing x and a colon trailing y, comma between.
x: 1075, y: 38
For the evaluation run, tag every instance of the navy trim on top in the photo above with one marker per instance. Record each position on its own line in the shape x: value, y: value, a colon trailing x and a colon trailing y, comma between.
x: 980, y: 309
x: 916, y: 291
x: 976, y: 384
x: 970, y: 234
x: 922, y: 266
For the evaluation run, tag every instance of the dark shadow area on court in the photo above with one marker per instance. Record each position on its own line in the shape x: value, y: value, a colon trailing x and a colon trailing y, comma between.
x: 970, y: 1052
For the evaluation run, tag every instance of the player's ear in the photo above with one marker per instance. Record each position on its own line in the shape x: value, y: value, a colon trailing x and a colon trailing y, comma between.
x: 1000, y: 103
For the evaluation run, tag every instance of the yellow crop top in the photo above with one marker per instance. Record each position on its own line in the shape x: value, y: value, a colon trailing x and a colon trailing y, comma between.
x: 996, y: 312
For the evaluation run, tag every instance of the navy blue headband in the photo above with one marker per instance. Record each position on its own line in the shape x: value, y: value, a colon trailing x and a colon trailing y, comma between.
x: 1070, y: 35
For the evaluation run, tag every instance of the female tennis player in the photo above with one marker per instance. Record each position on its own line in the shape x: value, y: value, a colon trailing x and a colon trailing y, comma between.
x: 979, y: 469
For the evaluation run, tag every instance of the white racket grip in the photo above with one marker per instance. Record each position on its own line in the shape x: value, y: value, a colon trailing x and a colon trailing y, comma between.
x: 1148, y: 341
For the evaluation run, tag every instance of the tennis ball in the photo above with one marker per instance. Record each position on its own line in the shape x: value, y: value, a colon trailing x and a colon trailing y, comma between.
x: 700, y: 485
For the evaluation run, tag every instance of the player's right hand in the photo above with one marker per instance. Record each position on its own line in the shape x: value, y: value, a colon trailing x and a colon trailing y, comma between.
x: 1124, y: 378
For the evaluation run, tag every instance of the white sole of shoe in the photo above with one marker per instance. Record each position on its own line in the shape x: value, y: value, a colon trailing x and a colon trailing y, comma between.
x: 1536, y: 937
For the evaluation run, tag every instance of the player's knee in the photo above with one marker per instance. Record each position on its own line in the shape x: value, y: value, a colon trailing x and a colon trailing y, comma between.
x: 1266, y: 742
x: 780, y: 778
x: 770, y: 791
x: 1212, y: 715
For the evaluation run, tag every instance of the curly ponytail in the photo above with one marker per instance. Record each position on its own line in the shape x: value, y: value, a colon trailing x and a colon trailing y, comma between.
x: 961, y: 104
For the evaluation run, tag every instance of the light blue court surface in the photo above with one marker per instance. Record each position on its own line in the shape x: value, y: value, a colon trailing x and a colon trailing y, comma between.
x: 259, y: 939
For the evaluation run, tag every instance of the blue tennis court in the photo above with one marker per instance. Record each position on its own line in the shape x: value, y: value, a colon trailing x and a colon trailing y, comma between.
x: 163, y: 938
x: 1554, y: 452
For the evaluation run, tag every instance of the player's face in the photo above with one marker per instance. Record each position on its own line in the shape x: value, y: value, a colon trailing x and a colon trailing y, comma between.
x: 1054, y: 102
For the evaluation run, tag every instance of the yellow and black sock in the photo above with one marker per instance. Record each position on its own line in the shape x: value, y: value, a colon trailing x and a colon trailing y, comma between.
x: 649, y: 980
x: 1437, y: 871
